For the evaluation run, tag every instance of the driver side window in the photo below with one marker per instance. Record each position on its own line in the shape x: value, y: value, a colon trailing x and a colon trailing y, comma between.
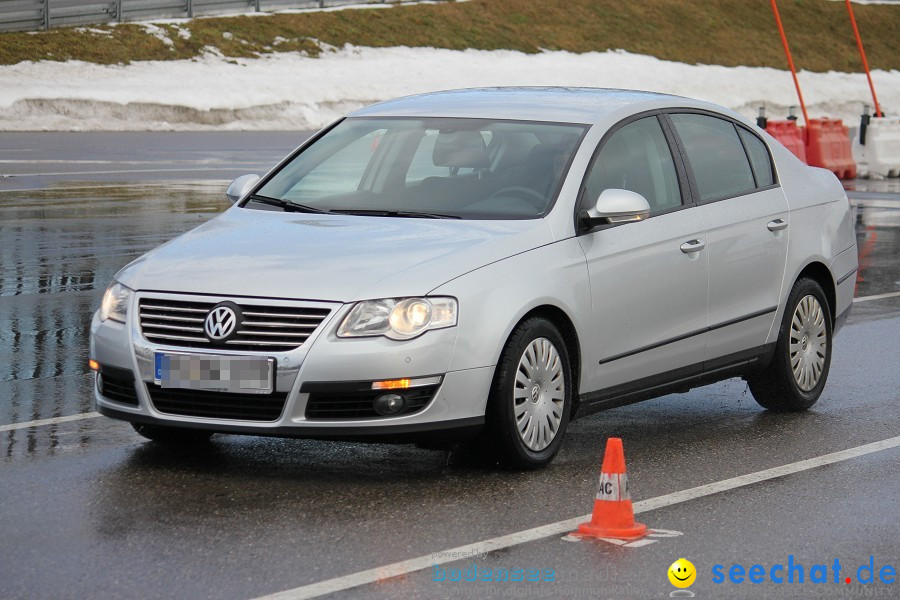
x: 636, y: 158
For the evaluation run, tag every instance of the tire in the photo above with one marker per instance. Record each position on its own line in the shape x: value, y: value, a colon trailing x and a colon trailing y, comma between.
x: 542, y: 400
x: 807, y: 319
x: 174, y: 436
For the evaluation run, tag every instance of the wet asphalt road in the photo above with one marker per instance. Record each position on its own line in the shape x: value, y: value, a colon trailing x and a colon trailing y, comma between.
x: 89, y: 509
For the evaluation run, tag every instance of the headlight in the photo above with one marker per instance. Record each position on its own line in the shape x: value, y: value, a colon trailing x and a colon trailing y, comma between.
x: 115, y: 303
x: 398, y: 318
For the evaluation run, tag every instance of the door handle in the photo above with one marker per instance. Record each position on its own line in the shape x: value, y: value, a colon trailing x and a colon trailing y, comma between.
x: 777, y: 225
x: 693, y: 246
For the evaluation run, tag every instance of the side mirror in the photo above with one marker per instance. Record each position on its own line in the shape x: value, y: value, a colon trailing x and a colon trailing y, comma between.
x: 616, y: 206
x: 240, y: 187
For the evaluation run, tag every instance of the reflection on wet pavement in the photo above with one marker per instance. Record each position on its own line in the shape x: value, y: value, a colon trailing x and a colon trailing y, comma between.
x: 61, y: 245
x: 878, y: 243
x: 58, y: 252
x: 54, y: 244
x: 857, y: 187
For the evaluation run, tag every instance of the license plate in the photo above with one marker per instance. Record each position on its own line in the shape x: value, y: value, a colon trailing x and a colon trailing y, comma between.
x: 235, y: 374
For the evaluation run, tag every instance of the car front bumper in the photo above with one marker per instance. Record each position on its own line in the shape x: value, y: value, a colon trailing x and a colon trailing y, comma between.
x: 456, y: 408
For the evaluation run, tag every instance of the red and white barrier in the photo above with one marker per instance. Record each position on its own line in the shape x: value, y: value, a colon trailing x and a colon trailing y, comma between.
x: 879, y: 156
x: 828, y: 146
x: 823, y: 143
x: 790, y: 136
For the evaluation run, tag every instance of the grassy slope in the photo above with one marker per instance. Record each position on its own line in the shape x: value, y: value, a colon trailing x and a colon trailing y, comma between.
x: 725, y: 32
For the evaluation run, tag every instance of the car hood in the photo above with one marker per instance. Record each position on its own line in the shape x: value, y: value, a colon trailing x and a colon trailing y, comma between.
x: 246, y: 252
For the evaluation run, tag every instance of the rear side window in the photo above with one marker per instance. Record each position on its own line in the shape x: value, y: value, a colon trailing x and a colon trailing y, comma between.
x: 636, y: 158
x: 716, y: 155
x: 759, y: 158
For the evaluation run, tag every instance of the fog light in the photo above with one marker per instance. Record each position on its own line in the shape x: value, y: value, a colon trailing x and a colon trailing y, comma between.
x: 100, y: 383
x: 389, y: 404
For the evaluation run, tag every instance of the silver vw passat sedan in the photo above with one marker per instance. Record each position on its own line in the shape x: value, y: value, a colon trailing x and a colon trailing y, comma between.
x: 486, y: 265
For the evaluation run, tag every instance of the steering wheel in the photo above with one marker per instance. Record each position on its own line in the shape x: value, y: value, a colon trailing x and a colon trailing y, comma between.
x: 533, y: 197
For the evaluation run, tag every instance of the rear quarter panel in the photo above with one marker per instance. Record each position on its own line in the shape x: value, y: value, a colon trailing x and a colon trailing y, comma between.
x: 821, y: 226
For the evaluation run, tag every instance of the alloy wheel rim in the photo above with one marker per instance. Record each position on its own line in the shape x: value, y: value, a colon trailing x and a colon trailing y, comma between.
x: 539, y: 394
x: 808, y: 343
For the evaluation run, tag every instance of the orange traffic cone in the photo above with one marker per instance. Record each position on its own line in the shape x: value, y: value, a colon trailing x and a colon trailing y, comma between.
x: 613, y: 515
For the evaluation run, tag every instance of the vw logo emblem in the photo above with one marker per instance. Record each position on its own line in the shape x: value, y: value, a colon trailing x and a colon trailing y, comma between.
x: 220, y: 323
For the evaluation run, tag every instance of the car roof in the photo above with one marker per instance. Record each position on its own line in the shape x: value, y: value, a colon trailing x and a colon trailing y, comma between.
x: 558, y: 104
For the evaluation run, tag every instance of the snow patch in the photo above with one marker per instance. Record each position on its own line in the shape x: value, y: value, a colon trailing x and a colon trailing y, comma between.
x: 159, y: 33
x: 95, y: 31
x: 292, y: 91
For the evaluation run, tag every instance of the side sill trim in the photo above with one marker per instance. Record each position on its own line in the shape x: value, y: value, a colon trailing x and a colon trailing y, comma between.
x: 677, y: 380
x: 847, y: 276
x: 679, y: 338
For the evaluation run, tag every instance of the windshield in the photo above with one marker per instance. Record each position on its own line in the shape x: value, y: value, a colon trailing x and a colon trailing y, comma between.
x: 430, y: 167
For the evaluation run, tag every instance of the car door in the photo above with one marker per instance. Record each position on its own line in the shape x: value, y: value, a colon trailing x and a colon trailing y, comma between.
x: 649, y: 278
x: 746, y: 217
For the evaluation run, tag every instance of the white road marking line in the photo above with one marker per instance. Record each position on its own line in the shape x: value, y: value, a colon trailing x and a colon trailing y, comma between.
x: 615, y: 542
x: 623, y: 543
x: 663, y: 533
x: 877, y: 297
x: 53, y: 421
x: 328, y: 586
x: 652, y: 533
x: 198, y: 169
x: 207, y: 183
x: 56, y: 161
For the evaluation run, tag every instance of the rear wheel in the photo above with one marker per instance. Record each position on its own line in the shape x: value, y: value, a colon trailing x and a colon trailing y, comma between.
x: 531, y: 397
x: 795, y: 378
x: 172, y: 435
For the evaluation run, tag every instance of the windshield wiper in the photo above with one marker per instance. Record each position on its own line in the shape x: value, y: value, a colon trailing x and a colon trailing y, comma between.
x: 409, y: 214
x: 286, y: 205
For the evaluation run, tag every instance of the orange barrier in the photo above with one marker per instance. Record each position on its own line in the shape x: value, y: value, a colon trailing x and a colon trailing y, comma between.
x: 613, y: 515
x: 828, y: 146
x: 790, y: 136
x: 790, y: 59
x: 862, y: 55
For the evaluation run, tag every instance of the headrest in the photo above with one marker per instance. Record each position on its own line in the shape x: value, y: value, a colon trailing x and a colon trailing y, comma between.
x: 543, y: 155
x: 460, y: 149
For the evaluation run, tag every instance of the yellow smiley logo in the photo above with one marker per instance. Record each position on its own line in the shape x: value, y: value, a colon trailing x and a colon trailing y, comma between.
x: 682, y: 573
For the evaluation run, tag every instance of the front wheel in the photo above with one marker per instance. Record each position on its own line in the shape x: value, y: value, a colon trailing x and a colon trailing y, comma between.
x: 794, y: 380
x: 531, y: 397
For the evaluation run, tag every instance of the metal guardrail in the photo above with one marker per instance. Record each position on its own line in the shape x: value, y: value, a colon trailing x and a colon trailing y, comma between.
x: 33, y: 15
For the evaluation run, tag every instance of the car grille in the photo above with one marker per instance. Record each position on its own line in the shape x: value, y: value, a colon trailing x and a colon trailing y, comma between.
x: 217, y: 405
x: 358, y: 405
x: 262, y: 327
